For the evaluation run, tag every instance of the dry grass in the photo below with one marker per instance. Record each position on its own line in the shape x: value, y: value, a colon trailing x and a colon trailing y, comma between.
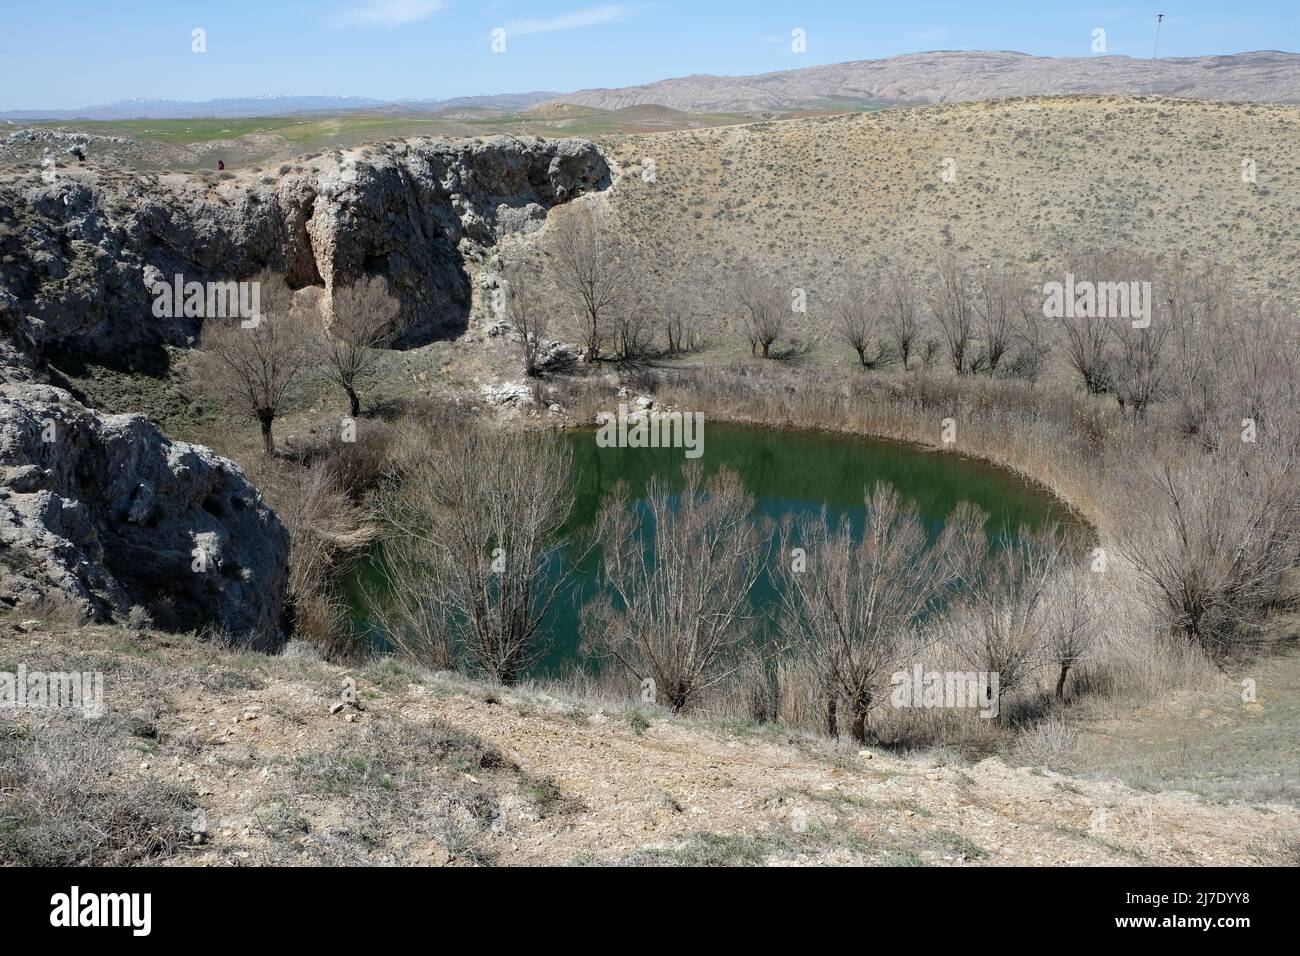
x: 1036, y: 178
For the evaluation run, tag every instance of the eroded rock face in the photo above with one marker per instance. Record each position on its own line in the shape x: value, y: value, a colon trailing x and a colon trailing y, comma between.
x: 79, y: 254
x: 105, y: 511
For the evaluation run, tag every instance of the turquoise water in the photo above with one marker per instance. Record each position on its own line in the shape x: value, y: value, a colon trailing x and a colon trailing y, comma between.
x: 788, y: 473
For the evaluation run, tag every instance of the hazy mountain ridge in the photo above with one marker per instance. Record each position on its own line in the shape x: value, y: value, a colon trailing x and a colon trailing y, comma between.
x: 1265, y: 76
x: 246, y: 106
x: 937, y: 77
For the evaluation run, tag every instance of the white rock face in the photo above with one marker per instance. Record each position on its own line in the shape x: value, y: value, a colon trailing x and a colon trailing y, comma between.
x: 108, y: 513
x: 77, y: 263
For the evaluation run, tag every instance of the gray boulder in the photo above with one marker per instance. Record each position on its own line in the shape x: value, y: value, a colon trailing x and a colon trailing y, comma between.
x: 107, y: 513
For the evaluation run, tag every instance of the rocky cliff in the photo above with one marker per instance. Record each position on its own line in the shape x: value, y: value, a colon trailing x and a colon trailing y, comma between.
x: 102, y: 510
x: 81, y: 245
x: 106, y: 513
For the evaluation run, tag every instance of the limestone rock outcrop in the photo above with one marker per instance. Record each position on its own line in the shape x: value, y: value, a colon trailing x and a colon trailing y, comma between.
x: 81, y: 247
x: 106, y: 513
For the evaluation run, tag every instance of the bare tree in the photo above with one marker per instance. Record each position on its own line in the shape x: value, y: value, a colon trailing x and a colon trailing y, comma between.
x: 857, y: 321
x: 590, y: 271
x: 1199, y: 345
x: 1087, y: 337
x: 901, y: 316
x: 1138, y: 365
x: 405, y: 605
x: 997, y: 302
x: 1086, y: 348
x: 1071, y: 619
x: 952, y: 303
x: 1216, y: 544
x: 1031, y: 333
x: 851, y: 604
x: 253, y: 363
x: 678, y: 327
x: 633, y: 331
x: 677, y: 607
x: 1264, y: 362
x: 326, y: 529
x: 1005, y: 616
x: 360, y: 320
x: 486, y: 512
x: 526, y: 313
x: 929, y: 353
x: 765, y: 305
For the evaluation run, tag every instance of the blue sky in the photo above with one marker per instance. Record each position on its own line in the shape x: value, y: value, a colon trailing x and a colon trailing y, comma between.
x: 71, y: 53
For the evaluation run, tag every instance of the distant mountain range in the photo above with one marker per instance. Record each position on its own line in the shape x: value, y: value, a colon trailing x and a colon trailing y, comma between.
x: 275, y: 106
x: 1267, y: 76
x: 948, y: 76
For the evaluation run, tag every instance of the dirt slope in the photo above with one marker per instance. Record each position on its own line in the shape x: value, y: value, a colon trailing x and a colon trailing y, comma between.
x: 437, y: 770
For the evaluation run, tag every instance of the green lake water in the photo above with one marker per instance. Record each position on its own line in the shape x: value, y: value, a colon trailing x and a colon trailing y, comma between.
x: 787, y: 472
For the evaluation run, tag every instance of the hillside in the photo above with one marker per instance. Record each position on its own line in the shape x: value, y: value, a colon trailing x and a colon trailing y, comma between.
x: 244, y: 752
x: 1034, y: 178
x: 946, y: 76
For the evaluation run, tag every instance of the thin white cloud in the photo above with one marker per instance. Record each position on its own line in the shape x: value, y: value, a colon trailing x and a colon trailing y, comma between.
x: 926, y: 36
x: 590, y: 17
x: 388, y: 13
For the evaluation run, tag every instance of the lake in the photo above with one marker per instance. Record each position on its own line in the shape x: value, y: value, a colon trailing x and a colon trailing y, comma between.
x: 788, y: 473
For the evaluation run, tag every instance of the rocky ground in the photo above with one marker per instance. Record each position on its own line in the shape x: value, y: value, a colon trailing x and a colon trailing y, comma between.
x: 236, y: 758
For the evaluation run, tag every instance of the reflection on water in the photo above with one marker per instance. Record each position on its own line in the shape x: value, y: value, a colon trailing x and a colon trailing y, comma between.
x: 788, y: 473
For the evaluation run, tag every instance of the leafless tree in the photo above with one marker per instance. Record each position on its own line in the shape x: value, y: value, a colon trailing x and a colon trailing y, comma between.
x: 252, y: 364
x: 326, y: 530
x: 1264, y: 362
x: 1216, y: 543
x: 631, y: 319
x: 1031, y: 333
x: 849, y: 604
x: 952, y: 302
x: 405, y: 605
x: 1199, y: 344
x: 1005, y: 616
x: 930, y: 353
x: 997, y: 302
x: 1071, y: 618
x: 857, y: 321
x: 677, y: 602
x: 901, y: 311
x: 1138, y: 363
x: 675, y: 308
x: 591, y: 271
x: 360, y: 320
x: 486, y: 513
x: 1086, y: 347
x: 526, y: 313
x: 765, y: 305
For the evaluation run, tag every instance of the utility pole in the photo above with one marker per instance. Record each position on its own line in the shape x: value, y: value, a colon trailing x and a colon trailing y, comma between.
x: 1155, y: 53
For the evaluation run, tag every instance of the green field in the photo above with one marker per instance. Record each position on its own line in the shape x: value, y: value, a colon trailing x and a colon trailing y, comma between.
x: 319, y: 132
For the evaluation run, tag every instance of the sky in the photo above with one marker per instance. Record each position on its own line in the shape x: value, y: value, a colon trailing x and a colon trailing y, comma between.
x: 62, y: 54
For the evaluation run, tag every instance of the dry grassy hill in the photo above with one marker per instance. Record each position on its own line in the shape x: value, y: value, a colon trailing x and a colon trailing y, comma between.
x: 1034, y: 178
x: 946, y: 76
